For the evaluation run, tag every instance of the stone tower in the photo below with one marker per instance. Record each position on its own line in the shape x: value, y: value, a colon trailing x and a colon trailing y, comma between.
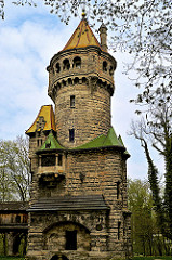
x: 78, y: 205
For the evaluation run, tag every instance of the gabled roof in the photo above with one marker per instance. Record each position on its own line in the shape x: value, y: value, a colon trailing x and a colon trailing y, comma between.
x: 46, y: 114
x: 82, y: 37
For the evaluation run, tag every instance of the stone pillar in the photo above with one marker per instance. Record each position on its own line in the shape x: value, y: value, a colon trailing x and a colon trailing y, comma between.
x: 10, y: 243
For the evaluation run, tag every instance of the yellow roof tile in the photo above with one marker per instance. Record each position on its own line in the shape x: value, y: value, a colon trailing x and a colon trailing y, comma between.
x: 82, y: 37
x: 44, y: 121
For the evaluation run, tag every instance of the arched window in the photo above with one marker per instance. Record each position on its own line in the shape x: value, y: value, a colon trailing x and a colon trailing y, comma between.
x: 66, y: 64
x: 105, y: 84
x: 77, y: 62
x: 58, y: 85
x: 83, y: 80
x: 104, y: 66
x: 99, y: 82
x: 76, y: 80
x: 111, y: 71
x: 58, y: 69
x: 64, y: 83
x: 69, y: 81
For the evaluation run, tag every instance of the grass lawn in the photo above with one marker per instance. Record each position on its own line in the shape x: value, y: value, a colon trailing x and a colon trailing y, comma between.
x: 11, y: 258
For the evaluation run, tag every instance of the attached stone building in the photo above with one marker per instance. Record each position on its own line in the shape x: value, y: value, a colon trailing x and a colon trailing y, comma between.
x: 78, y: 205
x: 13, y: 227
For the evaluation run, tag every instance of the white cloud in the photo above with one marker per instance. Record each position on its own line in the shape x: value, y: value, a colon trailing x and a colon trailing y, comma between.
x: 28, y: 39
x: 25, y: 52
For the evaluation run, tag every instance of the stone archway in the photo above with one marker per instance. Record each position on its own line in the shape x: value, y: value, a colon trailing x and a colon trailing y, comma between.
x: 62, y: 257
x: 66, y: 235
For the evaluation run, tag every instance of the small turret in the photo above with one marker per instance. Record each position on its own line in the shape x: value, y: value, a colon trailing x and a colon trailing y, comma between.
x: 103, y: 36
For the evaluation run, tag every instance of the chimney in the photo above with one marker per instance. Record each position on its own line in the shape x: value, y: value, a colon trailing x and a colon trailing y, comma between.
x: 103, y: 36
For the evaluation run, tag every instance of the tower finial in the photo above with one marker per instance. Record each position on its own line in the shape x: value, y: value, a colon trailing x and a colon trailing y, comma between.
x: 83, y: 13
x: 84, y: 18
x: 103, y: 36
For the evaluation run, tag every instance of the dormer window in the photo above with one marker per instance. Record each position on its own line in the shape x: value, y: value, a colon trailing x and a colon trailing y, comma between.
x: 71, y: 135
x: 72, y: 101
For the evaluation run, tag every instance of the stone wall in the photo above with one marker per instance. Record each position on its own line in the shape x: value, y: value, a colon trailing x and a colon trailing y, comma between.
x: 103, y: 173
x: 47, y: 234
x: 90, y: 117
x: 92, y: 83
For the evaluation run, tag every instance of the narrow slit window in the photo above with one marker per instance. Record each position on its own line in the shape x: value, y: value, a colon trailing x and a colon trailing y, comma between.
x: 71, y: 135
x: 119, y: 227
x: 118, y: 189
x: 71, y: 240
x: 72, y: 101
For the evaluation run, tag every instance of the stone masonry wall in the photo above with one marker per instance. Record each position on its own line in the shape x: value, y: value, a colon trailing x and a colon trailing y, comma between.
x: 92, y: 83
x: 90, y: 117
x: 47, y: 234
x: 101, y: 172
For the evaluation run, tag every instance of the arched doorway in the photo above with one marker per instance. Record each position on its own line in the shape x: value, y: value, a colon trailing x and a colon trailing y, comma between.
x: 56, y: 257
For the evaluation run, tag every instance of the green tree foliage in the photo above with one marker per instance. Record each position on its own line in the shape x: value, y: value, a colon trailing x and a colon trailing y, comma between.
x: 14, y: 170
x: 146, y: 235
x: 143, y: 219
x: 155, y: 128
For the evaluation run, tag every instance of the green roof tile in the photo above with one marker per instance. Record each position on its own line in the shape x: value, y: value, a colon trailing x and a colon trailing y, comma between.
x: 108, y: 140
x: 112, y: 139
x: 51, y: 143
x: 120, y: 139
x: 102, y: 141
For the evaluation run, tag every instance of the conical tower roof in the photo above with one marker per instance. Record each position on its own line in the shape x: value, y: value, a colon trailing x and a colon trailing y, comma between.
x: 82, y: 37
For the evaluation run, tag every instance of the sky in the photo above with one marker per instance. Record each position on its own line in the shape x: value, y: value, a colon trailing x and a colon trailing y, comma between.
x: 29, y: 37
